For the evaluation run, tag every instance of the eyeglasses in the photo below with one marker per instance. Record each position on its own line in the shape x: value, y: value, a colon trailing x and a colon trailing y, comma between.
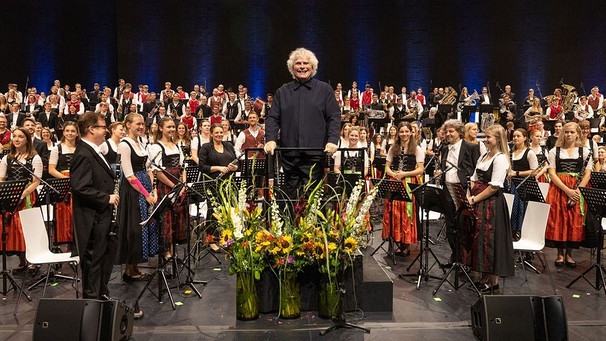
x: 99, y: 126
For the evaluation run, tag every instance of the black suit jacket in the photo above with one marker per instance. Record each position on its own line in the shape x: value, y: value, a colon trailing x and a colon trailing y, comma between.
x: 210, y: 157
x: 468, y: 157
x: 50, y: 122
x: 9, y: 119
x: 92, y: 181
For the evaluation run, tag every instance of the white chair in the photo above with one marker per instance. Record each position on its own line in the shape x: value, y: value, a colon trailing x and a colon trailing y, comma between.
x: 37, y: 249
x: 533, y: 235
x: 509, y: 200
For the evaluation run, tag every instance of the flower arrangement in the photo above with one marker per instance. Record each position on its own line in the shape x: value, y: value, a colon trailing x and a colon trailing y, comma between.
x: 341, y: 230
x: 238, y: 220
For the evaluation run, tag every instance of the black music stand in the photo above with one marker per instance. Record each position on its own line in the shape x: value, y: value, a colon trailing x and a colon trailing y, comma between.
x: 598, y: 180
x: 459, y: 197
x: 192, y: 174
x: 197, y: 193
x: 165, y: 203
x: 596, y: 201
x: 10, y: 196
x: 392, y: 190
x: 48, y: 195
x: 528, y: 189
x: 428, y: 198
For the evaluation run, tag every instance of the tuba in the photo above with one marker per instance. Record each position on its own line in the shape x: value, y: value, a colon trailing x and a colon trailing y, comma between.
x: 570, y: 97
x: 449, y: 99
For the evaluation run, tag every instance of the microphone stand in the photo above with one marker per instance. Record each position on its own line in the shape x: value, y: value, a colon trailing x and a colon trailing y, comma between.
x: 50, y: 225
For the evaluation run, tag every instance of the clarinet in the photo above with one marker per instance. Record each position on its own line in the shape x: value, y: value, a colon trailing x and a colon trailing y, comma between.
x: 578, y: 182
x: 114, y: 223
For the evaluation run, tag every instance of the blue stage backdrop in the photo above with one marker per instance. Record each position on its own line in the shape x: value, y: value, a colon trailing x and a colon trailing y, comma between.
x: 416, y: 44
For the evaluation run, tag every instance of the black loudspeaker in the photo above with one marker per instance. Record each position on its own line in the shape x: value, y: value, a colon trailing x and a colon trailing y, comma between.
x: 519, y: 318
x: 85, y: 320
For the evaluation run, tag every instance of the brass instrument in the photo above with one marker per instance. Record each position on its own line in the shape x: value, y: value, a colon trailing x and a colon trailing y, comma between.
x: 581, y: 113
x: 548, y: 99
x: 449, y: 99
x: 601, y: 112
x: 570, y: 98
x: 469, y: 101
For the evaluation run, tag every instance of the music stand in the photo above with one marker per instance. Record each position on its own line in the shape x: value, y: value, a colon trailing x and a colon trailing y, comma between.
x: 598, y: 180
x: 167, y: 201
x: 192, y: 174
x: 596, y: 201
x: 428, y: 198
x: 459, y: 197
x: 48, y: 195
x: 392, y: 190
x: 528, y: 189
x: 10, y: 196
x: 197, y: 193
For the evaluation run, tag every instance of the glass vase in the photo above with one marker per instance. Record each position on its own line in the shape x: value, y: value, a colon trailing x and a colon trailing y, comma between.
x: 329, y: 297
x: 290, y: 295
x: 247, y: 301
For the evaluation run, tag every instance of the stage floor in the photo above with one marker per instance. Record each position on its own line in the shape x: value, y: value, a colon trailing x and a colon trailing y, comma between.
x: 417, y: 314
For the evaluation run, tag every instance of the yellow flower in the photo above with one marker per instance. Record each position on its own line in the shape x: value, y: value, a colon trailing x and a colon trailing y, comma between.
x: 225, y: 237
x: 285, y: 243
x: 350, y: 245
x: 332, y: 246
x: 318, y: 250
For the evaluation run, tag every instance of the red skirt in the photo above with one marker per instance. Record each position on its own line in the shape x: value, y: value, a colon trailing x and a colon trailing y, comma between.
x: 404, y: 217
x: 15, y: 240
x: 65, y: 228
x: 170, y: 227
x: 565, y: 223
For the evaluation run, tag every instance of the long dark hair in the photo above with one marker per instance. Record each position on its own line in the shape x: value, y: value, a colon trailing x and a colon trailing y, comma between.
x: 29, y: 145
x: 411, y: 146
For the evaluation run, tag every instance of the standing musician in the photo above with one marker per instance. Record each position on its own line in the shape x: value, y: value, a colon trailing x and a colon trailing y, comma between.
x: 137, y: 195
x: 541, y: 152
x: 507, y: 111
x: 460, y: 158
x: 170, y: 157
x: 93, y: 188
x: 555, y: 111
x: 491, y: 243
x: 569, y: 168
x: 109, y: 148
x: 404, y: 162
x: 58, y: 167
x: 415, y: 108
x: 21, y: 152
x: 523, y: 163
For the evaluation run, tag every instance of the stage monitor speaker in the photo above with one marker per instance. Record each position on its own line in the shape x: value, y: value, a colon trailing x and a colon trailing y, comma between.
x: 519, y: 318
x: 84, y: 320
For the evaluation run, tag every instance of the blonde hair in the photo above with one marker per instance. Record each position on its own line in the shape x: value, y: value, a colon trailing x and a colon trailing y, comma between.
x: 561, y: 138
x: 499, y: 134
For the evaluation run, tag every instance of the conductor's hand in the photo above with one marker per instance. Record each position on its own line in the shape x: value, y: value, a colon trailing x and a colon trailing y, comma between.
x: 330, y: 148
x: 269, y: 147
x: 114, y: 199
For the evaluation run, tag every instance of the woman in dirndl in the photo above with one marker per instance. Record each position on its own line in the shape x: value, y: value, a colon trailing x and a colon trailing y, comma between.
x: 491, y: 242
x: 21, y: 155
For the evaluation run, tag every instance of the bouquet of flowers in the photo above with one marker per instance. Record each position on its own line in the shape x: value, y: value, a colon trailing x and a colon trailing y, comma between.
x: 239, y: 220
x: 340, y: 231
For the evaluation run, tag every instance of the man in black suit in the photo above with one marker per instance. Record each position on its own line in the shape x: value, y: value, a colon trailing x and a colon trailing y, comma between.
x: 459, y: 159
x: 93, y: 182
x: 14, y: 117
x: 48, y: 118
